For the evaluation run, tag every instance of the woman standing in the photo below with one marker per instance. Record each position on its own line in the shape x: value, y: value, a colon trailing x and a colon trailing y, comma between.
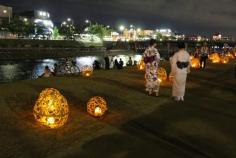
x: 180, y: 67
x: 151, y: 59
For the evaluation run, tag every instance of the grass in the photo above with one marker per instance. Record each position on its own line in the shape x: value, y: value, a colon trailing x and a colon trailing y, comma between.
x: 135, y: 126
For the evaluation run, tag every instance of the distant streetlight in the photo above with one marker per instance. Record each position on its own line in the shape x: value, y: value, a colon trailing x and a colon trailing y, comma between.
x: 5, y: 11
x: 87, y: 21
x: 108, y: 26
x: 63, y: 23
x: 122, y: 28
x: 131, y: 26
x: 25, y: 19
x: 68, y: 19
x: 139, y: 30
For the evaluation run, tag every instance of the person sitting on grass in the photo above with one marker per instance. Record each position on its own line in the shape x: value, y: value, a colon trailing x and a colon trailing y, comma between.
x: 116, y: 64
x: 130, y: 62
x: 121, y: 64
x: 47, y: 72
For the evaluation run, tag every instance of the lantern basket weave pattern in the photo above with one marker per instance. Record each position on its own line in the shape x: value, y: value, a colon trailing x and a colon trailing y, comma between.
x: 87, y: 71
x: 51, y: 108
x: 97, y: 106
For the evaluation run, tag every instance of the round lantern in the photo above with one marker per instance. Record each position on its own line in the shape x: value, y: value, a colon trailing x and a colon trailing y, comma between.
x: 87, y: 71
x: 141, y: 65
x: 210, y: 56
x: 195, y: 63
x: 191, y: 57
x: 51, y: 108
x: 161, y: 74
x: 97, y: 106
x: 224, y: 59
x: 230, y: 56
x: 215, y: 58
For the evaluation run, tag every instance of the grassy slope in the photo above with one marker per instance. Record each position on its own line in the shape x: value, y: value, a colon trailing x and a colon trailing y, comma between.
x: 136, y: 126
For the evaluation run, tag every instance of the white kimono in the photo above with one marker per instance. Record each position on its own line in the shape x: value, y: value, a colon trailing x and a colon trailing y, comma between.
x: 180, y: 75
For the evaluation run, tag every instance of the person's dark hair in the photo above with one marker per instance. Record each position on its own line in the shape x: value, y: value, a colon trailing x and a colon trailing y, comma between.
x: 152, y: 42
x: 181, y: 45
x: 46, y: 67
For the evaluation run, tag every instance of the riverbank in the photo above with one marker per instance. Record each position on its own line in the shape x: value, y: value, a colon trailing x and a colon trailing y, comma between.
x: 135, y: 126
x: 55, y: 53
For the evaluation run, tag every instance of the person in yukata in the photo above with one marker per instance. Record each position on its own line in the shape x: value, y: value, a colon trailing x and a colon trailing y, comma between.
x: 180, y: 67
x: 152, y: 58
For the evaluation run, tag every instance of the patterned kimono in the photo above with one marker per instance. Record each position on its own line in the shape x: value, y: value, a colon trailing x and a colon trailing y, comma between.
x: 151, y: 59
x: 180, y: 75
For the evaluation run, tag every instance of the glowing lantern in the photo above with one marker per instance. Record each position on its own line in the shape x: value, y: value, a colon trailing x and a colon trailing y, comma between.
x: 215, y: 58
x: 87, y: 71
x: 141, y: 65
x: 97, y: 106
x: 224, y: 59
x: 191, y: 57
x: 230, y: 56
x: 51, y: 108
x: 211, y: 56
x: 161, y: 74
x: 195, y: 63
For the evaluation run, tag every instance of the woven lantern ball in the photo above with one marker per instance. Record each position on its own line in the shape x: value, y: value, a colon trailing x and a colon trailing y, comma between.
x: 87, y: 71
x: 230, y: 56
x: 161, y: 74
x: 195, y: 63
x: 215, y: 58
x: 224, y: 59
x: 191, y: 57
x: 141, y: 65
x: 97, y: 106
x: 51, y: 108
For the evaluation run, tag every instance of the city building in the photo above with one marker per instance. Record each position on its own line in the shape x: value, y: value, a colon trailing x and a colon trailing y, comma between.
x: 39, y: 18
x: 217, y: 37
x: 165, y: 32
x: 5, y: 14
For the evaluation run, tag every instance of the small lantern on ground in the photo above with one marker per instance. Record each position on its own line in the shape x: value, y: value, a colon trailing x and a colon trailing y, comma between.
x: 191, y: 57
x: 51, y: 108
x: 97, y: 106
x: 195, y: 63
x: 141, y: 65
x: 230, y: 56
x: 161, y: 74
x: 224, y: 59
x: 87, y: 71
x: 215, y: 58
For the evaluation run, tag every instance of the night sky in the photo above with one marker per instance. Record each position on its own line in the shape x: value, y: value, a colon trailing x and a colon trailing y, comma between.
x: 187, y: 16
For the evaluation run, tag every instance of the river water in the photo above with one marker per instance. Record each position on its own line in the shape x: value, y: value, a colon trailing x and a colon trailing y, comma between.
x: 14, y: 70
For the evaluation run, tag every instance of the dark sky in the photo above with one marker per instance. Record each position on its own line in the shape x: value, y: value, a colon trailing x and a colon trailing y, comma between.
x: 187, y: 16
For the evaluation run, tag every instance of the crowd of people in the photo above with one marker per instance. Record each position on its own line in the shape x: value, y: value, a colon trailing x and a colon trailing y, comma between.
x: 180, y: 63
x: 114, y: 63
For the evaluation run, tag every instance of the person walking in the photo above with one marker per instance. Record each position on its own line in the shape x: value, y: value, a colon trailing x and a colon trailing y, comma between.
x: 152, y: 58
x: 204, y: 55
x: 180, y: 67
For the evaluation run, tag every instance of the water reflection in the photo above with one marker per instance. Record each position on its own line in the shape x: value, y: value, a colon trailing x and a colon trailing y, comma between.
x: 31, y: 69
